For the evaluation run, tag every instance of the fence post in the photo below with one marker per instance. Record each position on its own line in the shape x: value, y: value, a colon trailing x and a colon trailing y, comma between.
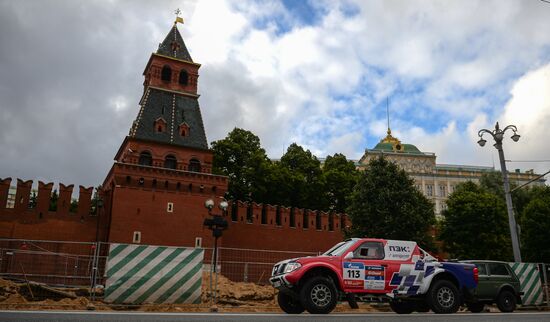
x: 94, y: 269
x: 545, y: 284
x: 245, y: 277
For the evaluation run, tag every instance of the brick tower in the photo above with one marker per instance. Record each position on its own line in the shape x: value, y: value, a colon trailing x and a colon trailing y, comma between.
x: 156, y: 188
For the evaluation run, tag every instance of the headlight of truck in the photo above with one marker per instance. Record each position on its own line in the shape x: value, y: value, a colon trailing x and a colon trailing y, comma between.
x: 290, y: 267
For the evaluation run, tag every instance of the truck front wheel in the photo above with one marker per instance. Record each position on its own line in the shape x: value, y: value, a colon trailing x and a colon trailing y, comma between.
x: 289, y: 304
x: 319, y: 295
x: 443, y: 297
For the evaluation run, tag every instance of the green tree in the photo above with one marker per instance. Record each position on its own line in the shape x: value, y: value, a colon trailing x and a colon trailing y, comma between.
x: 340, y: 177
x: 475, y: 224
x: 492, y: 182
x: 241, y: 157
x: 306, y: 178
x: 386, y: 204
x: 535, y: 227
x: 33, y: 200
x: 53, y: 201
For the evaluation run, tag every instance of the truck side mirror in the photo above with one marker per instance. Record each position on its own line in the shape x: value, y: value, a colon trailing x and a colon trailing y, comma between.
x: 349, y: 255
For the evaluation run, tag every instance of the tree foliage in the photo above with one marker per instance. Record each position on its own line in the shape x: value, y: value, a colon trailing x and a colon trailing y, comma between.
x: 386, y: 204
x: 535, y: 227
x: 241, y: 157
x: 340, y: 177
x: 307, y: 185
x: 475, y: 224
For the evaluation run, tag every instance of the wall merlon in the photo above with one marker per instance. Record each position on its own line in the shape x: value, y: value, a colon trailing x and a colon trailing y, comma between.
x: 84, y: 201
x: 64, y: 201
x: 4, y: 190
x: 22, y: 195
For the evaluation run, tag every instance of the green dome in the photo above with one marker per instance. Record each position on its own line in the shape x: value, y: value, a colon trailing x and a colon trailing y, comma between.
x: 388, y: 147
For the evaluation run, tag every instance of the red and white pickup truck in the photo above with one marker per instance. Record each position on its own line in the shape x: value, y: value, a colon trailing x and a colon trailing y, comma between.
x: 373, y: 270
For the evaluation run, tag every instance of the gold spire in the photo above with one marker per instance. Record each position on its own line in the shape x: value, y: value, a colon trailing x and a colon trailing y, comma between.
x: 396, y: 144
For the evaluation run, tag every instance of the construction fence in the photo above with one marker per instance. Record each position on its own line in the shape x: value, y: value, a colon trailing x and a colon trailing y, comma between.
x: 135, y: 274
x: 96, y: 270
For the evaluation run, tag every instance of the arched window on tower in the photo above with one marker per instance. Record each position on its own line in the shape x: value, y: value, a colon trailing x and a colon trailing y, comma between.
x: 145, y: 158
x: 166, y: 73
x: 194, y: 165
x: 184, y: 129
x: 184, y: 77
x: 170, y: 162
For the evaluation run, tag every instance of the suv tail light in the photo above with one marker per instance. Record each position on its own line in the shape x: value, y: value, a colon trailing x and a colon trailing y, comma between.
x: 476, y: 274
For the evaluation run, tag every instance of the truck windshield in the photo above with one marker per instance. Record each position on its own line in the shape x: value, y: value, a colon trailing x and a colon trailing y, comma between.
x: 340, y: 248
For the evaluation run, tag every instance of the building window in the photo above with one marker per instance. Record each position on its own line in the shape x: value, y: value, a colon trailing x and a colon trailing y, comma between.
x: 184, y: 129
x: 429, y: 190
x: 166, y: 73
x: 198, y: 242
x: 145, y: 158
x: 170, y: 207
x: 170, y: 162
x: 137, y: 237
x: 194, y: 165
x: 160, y: 125
x: 184, y: 77
x: 442, y: 191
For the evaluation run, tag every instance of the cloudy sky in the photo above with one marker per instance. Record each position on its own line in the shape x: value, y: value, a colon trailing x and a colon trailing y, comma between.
x: 312, y: 72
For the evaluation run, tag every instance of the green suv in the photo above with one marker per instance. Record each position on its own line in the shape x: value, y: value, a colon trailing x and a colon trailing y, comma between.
x: 497, y: 284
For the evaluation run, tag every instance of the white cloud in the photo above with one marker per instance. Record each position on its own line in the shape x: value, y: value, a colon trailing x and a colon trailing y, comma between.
x: 448, y: 68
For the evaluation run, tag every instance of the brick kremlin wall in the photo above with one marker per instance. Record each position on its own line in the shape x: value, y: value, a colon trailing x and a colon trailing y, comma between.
x: 38, y: 223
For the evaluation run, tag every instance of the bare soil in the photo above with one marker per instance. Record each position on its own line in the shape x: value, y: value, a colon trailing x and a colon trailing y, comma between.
x: 231, y: 297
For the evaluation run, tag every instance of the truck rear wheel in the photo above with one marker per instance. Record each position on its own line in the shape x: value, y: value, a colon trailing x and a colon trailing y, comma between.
x: 443, y: 297
x: 289, y: 304
x: 319, y: 295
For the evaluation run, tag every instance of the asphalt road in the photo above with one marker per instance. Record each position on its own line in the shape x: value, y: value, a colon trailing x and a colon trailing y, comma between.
x: 50, y: 316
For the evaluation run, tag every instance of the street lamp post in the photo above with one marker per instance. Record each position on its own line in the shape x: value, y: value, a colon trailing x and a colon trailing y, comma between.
x: 498, y: 135
x: 217, y: 224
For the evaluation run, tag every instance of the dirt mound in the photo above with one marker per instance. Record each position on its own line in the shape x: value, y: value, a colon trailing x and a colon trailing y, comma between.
x: 24, y: 296
x: 238, y: 293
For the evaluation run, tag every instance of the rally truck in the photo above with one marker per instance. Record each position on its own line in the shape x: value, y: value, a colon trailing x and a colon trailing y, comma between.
x: 373, y: 270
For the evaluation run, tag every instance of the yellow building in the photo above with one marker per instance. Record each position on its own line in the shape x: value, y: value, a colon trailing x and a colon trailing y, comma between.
x: 436, y: 181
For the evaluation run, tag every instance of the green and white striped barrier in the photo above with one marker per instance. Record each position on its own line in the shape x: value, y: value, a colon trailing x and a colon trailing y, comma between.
x: 153, y: 274
x: 530, y: 284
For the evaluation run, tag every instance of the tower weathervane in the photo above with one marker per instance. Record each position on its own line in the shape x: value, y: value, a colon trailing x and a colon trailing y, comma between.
x: 179, y: 19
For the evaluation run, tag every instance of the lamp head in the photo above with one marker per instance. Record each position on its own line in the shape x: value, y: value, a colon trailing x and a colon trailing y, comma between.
x: 481, y: 142
x: 515, y: 137
x: 223, y: 205
x: 209, y: 204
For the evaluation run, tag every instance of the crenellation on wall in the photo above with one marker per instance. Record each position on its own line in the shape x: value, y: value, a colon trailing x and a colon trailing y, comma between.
x: 22, y: 195
x: 4, y: 190
x: 84, y: 201
x: 43, y: 198
x: 64, y: 201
